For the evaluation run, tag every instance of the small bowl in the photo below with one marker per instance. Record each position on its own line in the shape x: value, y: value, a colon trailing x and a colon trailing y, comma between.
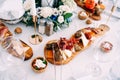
x: 106, y: 46
x: 83, y: 17
x: 40, y: 69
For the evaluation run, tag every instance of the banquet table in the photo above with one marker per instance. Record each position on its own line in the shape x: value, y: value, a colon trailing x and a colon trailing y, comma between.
x: 76, y: 68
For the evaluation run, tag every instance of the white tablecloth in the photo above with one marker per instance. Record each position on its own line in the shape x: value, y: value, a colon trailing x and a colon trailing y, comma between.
x: 75, y: 68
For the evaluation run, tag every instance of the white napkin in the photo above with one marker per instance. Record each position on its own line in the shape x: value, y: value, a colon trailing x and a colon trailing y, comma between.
x: 83, y: 76
x: 89, y: 77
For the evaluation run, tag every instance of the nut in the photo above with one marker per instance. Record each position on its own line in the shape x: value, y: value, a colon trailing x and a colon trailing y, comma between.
x: 18, y: 30
x: 88, y: 21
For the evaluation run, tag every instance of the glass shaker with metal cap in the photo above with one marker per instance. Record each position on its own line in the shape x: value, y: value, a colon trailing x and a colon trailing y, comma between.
x: 42, y: 26
x: 49, y: 28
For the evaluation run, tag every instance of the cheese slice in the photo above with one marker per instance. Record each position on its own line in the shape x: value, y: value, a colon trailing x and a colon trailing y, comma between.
x: 63, y: 54
x: 68, y: 53
x: 84, y: 39
x: 39, y: 63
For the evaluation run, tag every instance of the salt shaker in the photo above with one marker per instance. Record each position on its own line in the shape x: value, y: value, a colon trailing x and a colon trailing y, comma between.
x: 41, y: 27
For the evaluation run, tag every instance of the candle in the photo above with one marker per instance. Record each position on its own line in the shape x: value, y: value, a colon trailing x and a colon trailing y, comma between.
x: 33, y: 8
x: 34, y: 15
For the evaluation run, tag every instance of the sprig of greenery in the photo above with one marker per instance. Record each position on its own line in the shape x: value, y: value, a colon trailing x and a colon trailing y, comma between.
x: 67, y: 15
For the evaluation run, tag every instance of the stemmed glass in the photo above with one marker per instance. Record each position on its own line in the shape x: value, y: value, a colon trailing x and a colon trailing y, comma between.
x: 10, y: 62
x: 13, y: 73
x: 13, y: 46
x: 103, y: 56
x: 112, y: 9
x: 114, y: 72
x: 93, y: 68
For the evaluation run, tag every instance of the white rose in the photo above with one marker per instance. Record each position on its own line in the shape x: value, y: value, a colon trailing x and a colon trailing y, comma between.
x: 60, y: 19
x: 64, y: 8
x: 60, y: 12
x: 63, y: 0
x: 27, y: 5
x: 46, y: 12
x: 71, y: 4
x: 55, y: 11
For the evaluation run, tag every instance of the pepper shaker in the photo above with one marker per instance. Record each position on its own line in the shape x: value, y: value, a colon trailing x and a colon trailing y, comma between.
x: 49, y: 28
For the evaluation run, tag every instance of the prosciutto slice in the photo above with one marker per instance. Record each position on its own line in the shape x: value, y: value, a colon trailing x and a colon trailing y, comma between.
x: 3, y: 30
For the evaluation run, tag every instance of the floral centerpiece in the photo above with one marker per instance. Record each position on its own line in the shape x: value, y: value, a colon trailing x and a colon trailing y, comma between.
x: 60, y: 16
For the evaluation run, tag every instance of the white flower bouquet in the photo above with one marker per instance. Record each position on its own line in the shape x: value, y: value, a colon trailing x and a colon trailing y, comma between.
x: 60, y: 16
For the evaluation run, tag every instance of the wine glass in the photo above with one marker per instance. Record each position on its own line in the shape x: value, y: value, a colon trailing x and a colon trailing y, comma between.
x: 114, y: 72
x: 14, y: 72
x: 93, y: 69
x: 118, y: 6
x: 101, y: 56
x: 14, y: 47
x: 106, y: 49
x: 10, y: 63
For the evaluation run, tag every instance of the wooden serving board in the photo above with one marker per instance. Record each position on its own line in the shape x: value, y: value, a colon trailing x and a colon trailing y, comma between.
x: 91, y: 15
x: 102, y: 29
x: 28, y: 50
x: 49, y: 55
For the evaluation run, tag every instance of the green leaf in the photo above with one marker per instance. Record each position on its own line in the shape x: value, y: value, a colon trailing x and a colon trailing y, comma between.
x: 60, y: 3
x: 44, y: 62
x: 67, y: 15
x: 36, y: 68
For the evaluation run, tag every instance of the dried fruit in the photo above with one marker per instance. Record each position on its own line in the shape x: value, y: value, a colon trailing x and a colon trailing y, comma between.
x: 90, y: 4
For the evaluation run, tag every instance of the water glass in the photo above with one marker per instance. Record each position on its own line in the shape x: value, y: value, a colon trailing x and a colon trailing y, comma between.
x: 13, y: 46
x: 114, y: 73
